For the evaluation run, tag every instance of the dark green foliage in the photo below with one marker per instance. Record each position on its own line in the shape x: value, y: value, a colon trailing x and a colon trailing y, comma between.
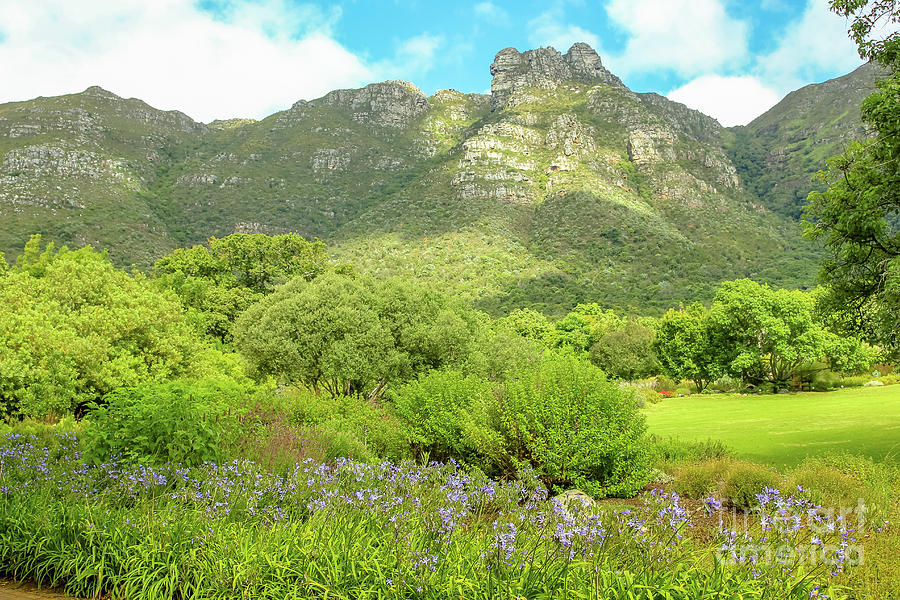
x: 873, y: 28
x: 858, y: 220
x: 684, y: 347
x: 451, y: 415
x: 574, y: 427
x: 858, y: 216
x: 778, y: 154
x: 184, y: 421
x: 627, y: 352
x: 350, y: 334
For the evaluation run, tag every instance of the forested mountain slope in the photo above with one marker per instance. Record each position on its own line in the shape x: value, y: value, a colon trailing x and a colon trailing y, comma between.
x: 560, y: 186
x: 779, y: 152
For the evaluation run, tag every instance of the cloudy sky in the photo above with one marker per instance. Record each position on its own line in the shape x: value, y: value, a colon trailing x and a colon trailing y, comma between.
x: 248, y: 58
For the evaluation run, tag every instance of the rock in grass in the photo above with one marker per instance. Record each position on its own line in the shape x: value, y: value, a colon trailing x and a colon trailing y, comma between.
x: 575, y: 501
x: 874, y: 383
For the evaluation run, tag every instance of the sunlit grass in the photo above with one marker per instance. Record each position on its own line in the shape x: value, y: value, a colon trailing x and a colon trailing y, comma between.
x: 784, y: 429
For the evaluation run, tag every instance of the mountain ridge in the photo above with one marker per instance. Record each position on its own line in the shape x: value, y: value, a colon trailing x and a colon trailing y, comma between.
x: 560, y: 186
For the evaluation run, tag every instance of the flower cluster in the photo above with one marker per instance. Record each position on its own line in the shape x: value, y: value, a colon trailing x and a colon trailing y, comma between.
x: 790, y: 531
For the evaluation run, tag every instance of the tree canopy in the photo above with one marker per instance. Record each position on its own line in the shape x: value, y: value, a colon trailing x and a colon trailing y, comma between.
x: 858, y: 216
x: 684, y: 346
x: 351, y: 334
x: 73, y: 328
x: 225, y: 277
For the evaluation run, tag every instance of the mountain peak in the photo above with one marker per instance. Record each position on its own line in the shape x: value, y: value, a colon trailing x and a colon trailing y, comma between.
x: 99, y: 92
x: 546, y: 68
x: 388, y: 103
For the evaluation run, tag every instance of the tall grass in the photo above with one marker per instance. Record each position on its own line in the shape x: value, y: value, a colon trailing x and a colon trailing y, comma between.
x: 345, y: 530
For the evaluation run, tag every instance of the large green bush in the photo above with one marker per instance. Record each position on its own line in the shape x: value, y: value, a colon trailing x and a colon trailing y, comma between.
x: 184, y: 421
x: 220, y: 280
x: 351, y: 427
x: 451, y: 415
x: 574, y: 427
x: 627, y: 351
x: 352, y: 335
x: 73, y: 328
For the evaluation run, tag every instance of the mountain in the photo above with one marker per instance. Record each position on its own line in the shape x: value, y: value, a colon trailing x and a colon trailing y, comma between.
x: 778, y: 153
x: 561, y: 186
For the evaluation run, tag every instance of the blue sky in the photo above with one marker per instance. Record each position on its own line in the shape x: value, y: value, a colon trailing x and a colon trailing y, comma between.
x: 224, y: 58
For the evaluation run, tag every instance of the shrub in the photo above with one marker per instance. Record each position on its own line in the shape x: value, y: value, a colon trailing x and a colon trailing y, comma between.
x: 269, y: 437
x: 673, y: 451
x: 643, y: 394
x: 349, y: 426
x: 744, y: 480
x: 73, y: 328
x: 184, y: 421
x: 698, y: 480
x: 842, y: 479
x: 661, y: 382
x: 826, y: 484
x: 575, y: 428
x: 890, y: 379
x: 451, y: 415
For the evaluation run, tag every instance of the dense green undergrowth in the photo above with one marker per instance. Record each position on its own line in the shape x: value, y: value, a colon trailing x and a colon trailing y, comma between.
x: 355, y: 530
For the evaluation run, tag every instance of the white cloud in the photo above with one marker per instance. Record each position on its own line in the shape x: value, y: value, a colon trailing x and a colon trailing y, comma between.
x: 548, y: 31
x: 413, y: 58
x: 247, y: 62
x: 731, y: 100
x: 817, y: 42
x: 491, y: 12
x: 689, y: 37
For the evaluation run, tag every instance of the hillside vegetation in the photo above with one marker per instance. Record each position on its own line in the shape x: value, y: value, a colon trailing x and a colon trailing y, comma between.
x: 561, y: 186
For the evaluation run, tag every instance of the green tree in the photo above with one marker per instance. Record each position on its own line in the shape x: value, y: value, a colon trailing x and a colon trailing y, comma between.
x: 350, y: 334
x: 585, y: 325
x: 4, y: 266
x: 530, y: 324
x: 870, y: 17
x: 451, y: 415
x: 684, y: 347
x: 222, y: 279
x: 765, y: 334
x: 73, y: 328
x: 627, y: 352
x: 858, y: 216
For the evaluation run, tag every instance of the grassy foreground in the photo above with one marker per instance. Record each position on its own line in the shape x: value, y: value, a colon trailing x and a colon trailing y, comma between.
x: 407, y: 531
x: 784, y: 429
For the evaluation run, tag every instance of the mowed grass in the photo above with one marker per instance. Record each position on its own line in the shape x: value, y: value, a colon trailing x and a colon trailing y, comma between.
x: 784, y: 429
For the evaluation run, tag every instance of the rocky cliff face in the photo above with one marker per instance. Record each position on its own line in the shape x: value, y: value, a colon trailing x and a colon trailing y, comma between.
x: 560, y: 186
x: 388, y: 104
x: 545, y: 68
x: 74, y: 167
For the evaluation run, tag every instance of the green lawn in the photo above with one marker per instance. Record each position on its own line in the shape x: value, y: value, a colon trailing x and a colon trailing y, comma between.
x: 783, y: 429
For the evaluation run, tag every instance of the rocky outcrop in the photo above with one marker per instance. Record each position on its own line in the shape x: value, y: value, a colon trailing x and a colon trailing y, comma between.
x: 686, y: 120
x: 570, y: 136
x: 545, y: 68
x: 387, y: 104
